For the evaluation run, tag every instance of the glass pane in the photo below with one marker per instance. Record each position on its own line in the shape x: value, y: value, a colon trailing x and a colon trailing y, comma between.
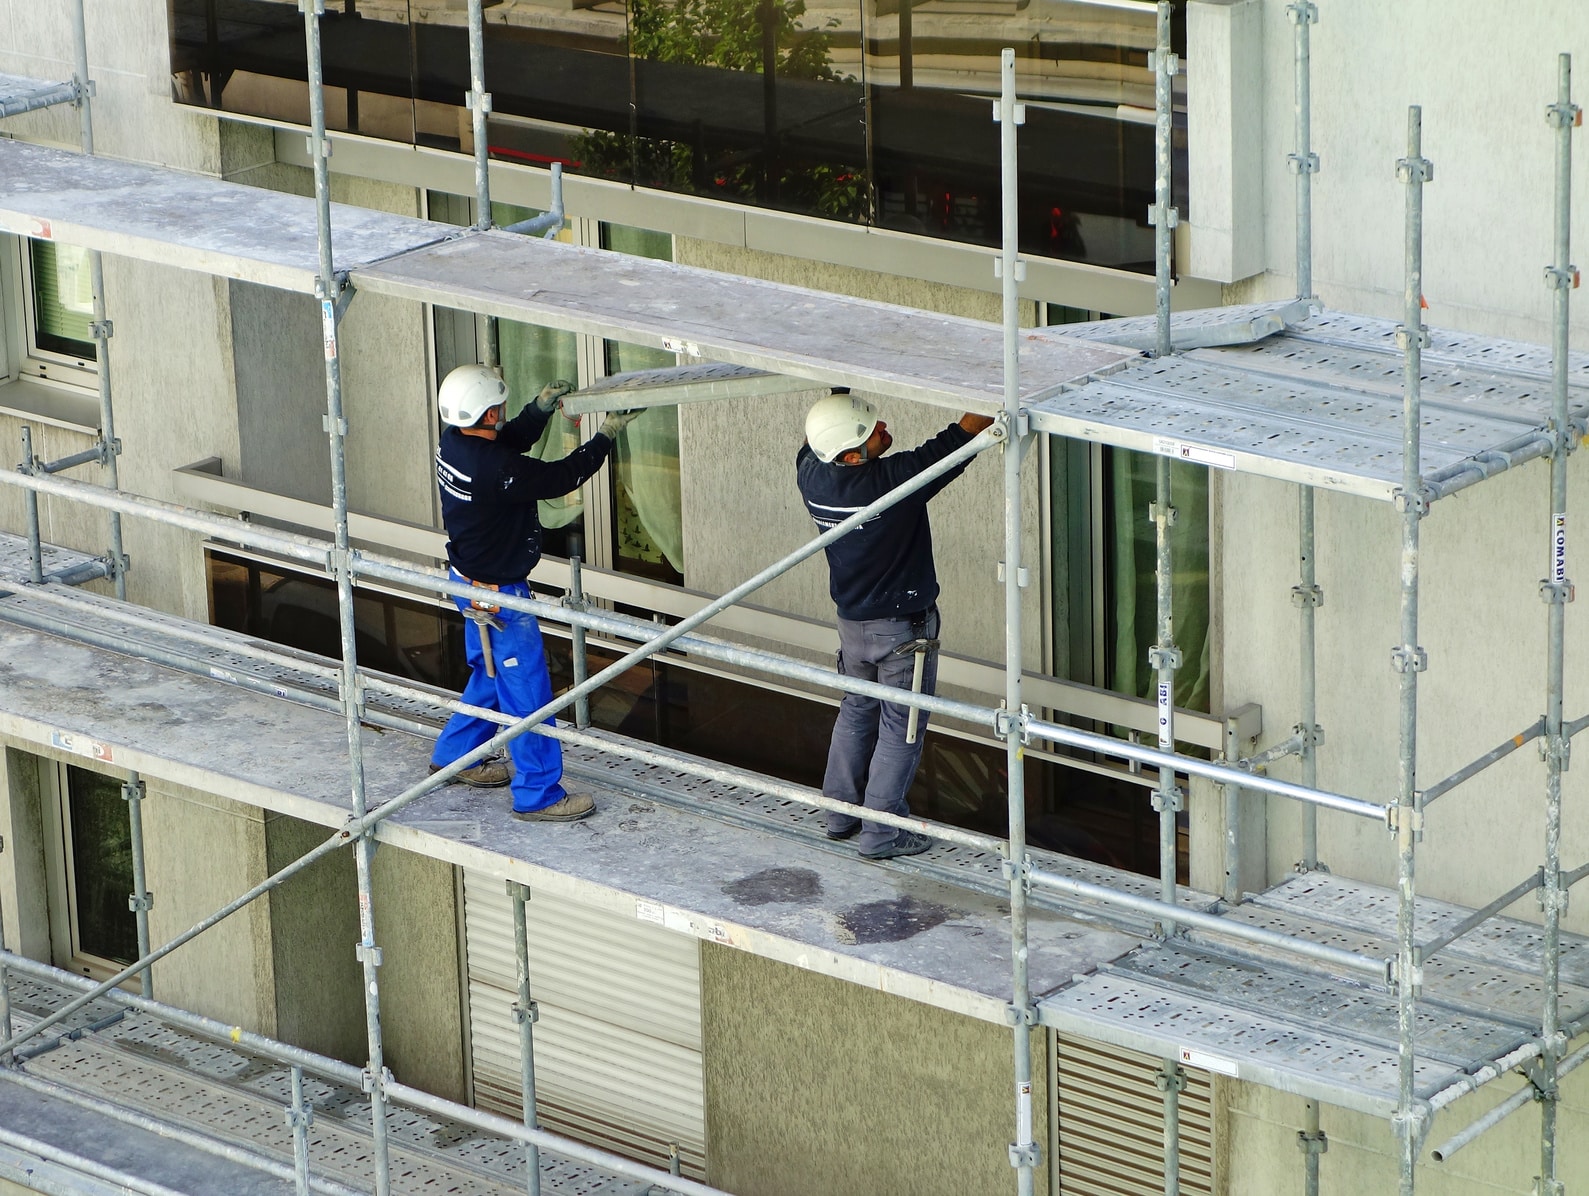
x: 1133, y: 557
x: 250, y: 56
x: 101, y: 867
x: 749, y: 100
x: 63, y: 299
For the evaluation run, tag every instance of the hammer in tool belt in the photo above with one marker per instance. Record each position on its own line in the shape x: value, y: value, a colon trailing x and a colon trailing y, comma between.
x: 918, y: 647
x: 484, y: 616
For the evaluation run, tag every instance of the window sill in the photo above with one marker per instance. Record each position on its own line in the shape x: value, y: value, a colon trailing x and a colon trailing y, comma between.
x: 60, y: 406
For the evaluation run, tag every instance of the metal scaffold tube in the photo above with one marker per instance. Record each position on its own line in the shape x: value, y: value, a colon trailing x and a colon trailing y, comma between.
x: 35, y: 540
x: 1024, y: 1152
x: 526, y: 1014
x: 331, y: 294
x: 1164, y: 658
x: 1557, y: 591
x: 1309, y: 597
x: 139, y: 900
x: 1408, y: 658
x: 479, y: 101
x: 100, y: 327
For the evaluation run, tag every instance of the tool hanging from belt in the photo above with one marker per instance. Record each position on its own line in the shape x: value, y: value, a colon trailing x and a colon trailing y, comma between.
x: 920, y: 647
x: 484, y: 616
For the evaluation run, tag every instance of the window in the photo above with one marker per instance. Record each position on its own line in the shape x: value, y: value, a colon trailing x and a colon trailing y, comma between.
x: 47, y: 350
x: 92, y: 929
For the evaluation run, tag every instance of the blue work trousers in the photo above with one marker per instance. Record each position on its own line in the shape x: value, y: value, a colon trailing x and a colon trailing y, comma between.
x: 520, y: 687
x: 869, y: 762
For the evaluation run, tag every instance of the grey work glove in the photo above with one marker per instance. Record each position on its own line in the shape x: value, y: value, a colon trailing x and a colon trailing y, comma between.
x: 546, y: 401
x: 616, y: 422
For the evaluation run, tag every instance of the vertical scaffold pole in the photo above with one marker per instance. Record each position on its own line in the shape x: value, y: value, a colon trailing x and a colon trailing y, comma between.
x: 575, y: 600
x: 139, y: 900
x: 1557, y: 592
x: 31, y: 501
x: 1164, y: 658
x: 1024, y: 1153
x: 100, y: 327
x: 1307, y: 594
x: 299, y: 1118
x: 1408, y: 658
x: 479, y: 101
x: 7, y: 1032
x: 1161, y: 215
x: 526, y: 1013
x: 331, y: 294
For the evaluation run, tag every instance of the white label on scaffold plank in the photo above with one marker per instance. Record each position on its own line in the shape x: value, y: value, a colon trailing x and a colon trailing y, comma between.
x: 1191, y: 1058
x: 1023, y: 1112
x: 1194, y: 453
x: 1558, y: 547
x: 81, y: 745
x: 688, y: 348
x: 651, y: 911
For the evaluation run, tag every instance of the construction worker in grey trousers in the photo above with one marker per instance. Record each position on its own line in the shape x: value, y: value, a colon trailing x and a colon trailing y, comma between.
x: 885, y: 586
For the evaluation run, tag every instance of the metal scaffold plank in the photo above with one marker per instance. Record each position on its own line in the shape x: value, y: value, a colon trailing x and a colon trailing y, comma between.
x: 826, y: 339
x: 197, y: 223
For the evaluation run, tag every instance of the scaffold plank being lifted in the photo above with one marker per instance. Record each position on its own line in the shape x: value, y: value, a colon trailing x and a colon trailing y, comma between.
x: 187, y: 220
x: 826, y: 339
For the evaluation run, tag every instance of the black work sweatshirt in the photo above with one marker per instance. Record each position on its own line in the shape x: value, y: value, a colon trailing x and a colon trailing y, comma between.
x: 884, y: 568
x: 489, y: 491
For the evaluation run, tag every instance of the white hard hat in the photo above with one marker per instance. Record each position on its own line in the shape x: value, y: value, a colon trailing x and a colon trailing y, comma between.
x: 837, y: 423
x: 467, y: 393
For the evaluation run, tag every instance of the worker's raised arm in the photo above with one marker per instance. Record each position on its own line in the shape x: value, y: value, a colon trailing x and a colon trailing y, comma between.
x: 974, y: 423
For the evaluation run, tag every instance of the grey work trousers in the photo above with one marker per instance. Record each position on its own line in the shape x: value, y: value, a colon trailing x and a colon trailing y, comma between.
x: 869, y: 762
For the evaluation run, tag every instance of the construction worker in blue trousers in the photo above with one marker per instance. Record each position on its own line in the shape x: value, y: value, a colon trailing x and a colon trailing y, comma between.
x: 489, y: 491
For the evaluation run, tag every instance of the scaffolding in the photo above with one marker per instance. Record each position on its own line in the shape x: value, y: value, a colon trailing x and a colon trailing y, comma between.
x: 1093, y: 383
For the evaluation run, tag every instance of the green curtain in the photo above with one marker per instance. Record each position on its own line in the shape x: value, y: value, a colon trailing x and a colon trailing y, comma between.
x: 646, y: 460
x: 63, y: 299
x: 1134, y: 575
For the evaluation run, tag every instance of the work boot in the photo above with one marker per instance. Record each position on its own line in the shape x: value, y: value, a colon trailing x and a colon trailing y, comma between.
x: 905, y: 843
x: 569, y: 809
x: 490, y: 773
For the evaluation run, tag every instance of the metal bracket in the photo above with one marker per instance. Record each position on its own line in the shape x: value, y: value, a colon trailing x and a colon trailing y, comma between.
x: 1018, y: 113
x: 1399, y: 818
x: 1029, y: 1155
x: 1303, y: 163
x: 484, y: 98
x: 1302, y: 11
x: 101, y: 329
x: 1170, y: 1078
x: 1318, y: 1143
x: 1402, y: 658
x: 140, y: 904
x: 1172, y: 63
x: 1023, y: 575
x: 83, y: 91
x: 1548, y: 1187
x: 530, y: 1013
x: 1164, y: 656
x: 1313, y: 739
x: 370, y: 954
x: 1020, y: 1015
x: 1172, y: 217
x: 367, y: 1080
x: 1402, y: 339
x: 1177, y: 799
x: 1562, y: 280
x: 325, y: 425
x: 1415, y: 170
x: 1006, y: 724
x: 133, y: 789
x: 346, y: 292
x: 1564, y: 115
x: 1559, y: 899
x: 1017, y: 870
x: 117, y: 566
x: 1020, y: 268
x: 1153, y: 514
x: 1307, y: 596
x: 304, y: 1119
x: 1398, y: 976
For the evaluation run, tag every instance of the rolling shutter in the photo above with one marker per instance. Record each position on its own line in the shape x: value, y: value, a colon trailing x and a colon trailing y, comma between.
x: 1111, y: 1124
x: 618, y: 1044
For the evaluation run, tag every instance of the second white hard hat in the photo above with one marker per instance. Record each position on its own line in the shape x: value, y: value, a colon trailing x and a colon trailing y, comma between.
x: 837, y: 423
x: 467, y: 393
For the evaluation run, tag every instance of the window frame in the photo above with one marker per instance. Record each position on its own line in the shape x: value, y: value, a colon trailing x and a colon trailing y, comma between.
x: 60, y: 858
x: 34, y: 360
x: 38, y: 386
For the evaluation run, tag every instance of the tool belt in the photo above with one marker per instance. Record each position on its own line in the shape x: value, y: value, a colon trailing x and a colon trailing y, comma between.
x: 920, y: 646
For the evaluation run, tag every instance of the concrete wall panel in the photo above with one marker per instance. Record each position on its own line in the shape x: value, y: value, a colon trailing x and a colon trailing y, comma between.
x: 816, y: 1085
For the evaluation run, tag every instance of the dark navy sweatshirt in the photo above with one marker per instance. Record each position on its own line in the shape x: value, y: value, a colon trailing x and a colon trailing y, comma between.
x: 489, y: 490
x: 884, y: 568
